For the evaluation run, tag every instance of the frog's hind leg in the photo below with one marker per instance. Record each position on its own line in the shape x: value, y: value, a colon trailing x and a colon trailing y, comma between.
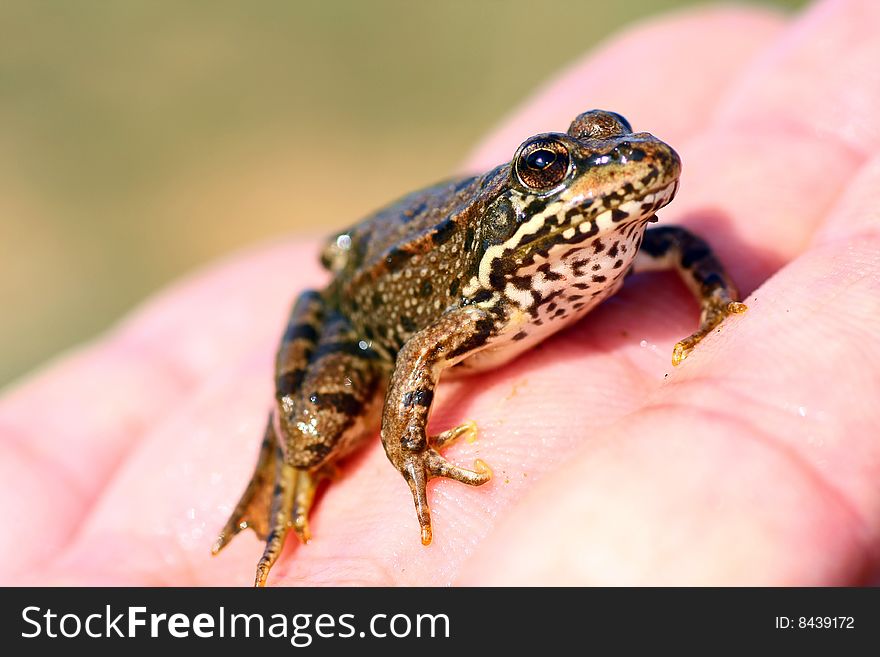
x: 673, y: 247
x: 335, y: 405
x: 268, y: 503
x: 253, y: 509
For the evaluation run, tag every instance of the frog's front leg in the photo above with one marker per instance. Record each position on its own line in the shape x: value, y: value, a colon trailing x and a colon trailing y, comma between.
x: 451, y: 339
x: 673, y: 247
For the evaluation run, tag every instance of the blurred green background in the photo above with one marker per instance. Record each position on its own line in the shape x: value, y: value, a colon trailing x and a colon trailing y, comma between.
x: 139, y: 139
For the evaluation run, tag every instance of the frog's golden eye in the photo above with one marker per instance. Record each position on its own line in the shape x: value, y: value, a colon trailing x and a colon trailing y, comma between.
x: 542, y: 164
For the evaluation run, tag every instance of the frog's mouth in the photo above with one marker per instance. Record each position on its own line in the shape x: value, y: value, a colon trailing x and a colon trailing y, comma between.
x: 595, y: 216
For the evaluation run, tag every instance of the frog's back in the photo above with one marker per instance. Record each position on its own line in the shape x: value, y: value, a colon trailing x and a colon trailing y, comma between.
x: 364, y: 247
x: 399, y: 269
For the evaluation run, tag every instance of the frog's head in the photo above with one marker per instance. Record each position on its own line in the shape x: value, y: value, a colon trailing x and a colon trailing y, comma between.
x: 565, y: 189
x: 597, y: 166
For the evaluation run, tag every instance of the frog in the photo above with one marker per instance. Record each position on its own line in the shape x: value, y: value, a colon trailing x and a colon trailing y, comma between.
x: 458, y: 278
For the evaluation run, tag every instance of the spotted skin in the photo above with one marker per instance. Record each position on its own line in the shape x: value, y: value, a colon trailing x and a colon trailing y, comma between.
x: 456, y: 278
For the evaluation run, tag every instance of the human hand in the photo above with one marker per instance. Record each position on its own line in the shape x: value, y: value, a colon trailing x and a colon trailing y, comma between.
x: 754, y: 462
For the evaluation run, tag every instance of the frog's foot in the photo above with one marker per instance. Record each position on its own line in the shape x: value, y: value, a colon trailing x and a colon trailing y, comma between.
x: 252, y: 510
x: 713, y: 314
x: 419, y: 468
x: 468, y: 430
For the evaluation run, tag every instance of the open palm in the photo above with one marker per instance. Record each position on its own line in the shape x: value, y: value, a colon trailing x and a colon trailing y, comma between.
x: 756, y: 461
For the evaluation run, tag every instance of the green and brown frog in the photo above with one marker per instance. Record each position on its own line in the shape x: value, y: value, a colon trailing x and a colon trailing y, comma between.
x: 462, y: 276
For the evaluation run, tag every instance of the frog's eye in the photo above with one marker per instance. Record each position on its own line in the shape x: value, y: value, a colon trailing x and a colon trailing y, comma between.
x: 542, y: 164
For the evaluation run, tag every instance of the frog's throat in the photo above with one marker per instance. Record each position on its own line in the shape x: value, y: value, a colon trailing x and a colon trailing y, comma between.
x: 577, y: 222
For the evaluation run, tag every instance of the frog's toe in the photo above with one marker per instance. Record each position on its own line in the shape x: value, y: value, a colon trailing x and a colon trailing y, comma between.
x: 301, y: 526
x: 270, y: 556
x: 438, y: 466
x: 279, y: 519
x: 416, y: 477
x: 468, y: 430
x: 253, y: 509
x: 303, y: 497
x: 305, y: 485
x: 419, y: 468
x: 712, y: 317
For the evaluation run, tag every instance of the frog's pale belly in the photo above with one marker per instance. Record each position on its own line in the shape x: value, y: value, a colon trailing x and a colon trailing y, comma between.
x: 568, y: 282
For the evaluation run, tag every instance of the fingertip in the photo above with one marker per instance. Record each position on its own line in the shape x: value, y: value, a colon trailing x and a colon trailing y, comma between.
x: 647, y: 74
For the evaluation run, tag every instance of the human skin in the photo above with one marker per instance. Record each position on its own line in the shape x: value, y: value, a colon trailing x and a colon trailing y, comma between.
x: 756, y: 461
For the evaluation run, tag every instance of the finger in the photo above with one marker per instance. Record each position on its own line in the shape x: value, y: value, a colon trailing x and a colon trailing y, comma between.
x: 817, y: 316
x: 175, y: 490
x: 171, y: 346
x: 62, y: 436
x: 787, y: 140
x: 849, y: 221
x: 156, y: 518
x: 68, y: 428
x: 817, y: 505
x: 772, y: 479
x: 704, y: 500
x: 821, y: 80
x: 767, y: 474
x: 803, y: 364
x: 649, y: 75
